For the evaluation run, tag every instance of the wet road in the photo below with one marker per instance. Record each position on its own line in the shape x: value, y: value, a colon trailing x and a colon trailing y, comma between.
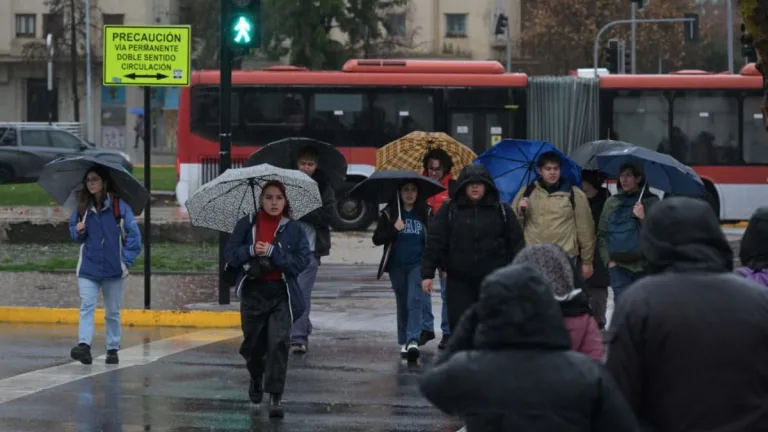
x: 196, y: 381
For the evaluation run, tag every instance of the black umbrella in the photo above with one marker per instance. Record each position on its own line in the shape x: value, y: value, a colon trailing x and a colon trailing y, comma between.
x: 584, y: 155
x: 283, y: 153
x: 61, y: 177
x: 383, y: 185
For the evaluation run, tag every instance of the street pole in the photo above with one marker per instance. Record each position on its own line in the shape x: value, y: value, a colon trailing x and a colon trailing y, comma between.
x: 509, y: 49
x: 148, y: 208
x: 634, y: 37
x: 49, y: 54
x: 225, y: 132
x: 729, y: 19
x: 595, y: 56
x: 88, y: 84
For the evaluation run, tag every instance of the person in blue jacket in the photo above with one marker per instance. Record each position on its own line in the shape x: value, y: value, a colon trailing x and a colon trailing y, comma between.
x: 271, y: 251
x: 110, y: 242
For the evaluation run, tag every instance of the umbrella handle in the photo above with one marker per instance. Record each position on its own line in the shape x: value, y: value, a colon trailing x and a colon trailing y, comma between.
x: 642, y: 191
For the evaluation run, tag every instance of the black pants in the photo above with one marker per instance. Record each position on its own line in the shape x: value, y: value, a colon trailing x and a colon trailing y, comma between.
x: 598, y: 301
x: 460, y: 295
x: 266, y: 321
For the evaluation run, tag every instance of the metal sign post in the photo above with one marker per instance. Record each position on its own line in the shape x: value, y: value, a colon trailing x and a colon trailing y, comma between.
x: 147, y: 56
x: 49, y: 52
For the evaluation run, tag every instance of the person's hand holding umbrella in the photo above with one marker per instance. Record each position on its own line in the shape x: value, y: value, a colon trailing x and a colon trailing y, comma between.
x: 399, y: 225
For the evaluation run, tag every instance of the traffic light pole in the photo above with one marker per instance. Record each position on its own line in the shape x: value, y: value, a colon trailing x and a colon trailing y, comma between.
x: 595, y: 52
x: 634, y: 37
x: 225, y: 131
x: 729, y: 28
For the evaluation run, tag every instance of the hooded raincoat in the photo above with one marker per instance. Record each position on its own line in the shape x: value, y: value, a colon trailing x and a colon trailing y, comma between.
x: 689, y: 343
x: 508, y: 366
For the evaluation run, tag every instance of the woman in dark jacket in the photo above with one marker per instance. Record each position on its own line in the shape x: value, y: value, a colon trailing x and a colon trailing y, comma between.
x: 597, y: 285
x: 402, y: 230
x: 509, y: 366
x: 754, y: 248
x: 271, y: 250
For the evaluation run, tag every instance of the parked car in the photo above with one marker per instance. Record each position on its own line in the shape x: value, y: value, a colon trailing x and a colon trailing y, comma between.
x: 25, y: 149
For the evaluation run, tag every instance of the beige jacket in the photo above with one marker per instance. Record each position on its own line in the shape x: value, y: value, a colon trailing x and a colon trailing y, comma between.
x: 551, y: 218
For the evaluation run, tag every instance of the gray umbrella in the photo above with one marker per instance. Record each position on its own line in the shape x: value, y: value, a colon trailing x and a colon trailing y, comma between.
x: 221, y: 203
x: 585, y: 154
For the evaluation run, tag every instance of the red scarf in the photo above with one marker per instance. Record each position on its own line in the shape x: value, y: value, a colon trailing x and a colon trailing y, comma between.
x: 266, y: 227
x: 436, y: 201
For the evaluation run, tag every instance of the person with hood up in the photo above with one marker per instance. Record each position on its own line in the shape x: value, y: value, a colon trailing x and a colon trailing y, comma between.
x: 597, y: 285
x: 437, y: 166
x: 471, y: 235
x: 688, y: 345
x: 509, y: 366
x: 558, y: 270
x: 552, y: 210
x: 754, y: 248
x: 271, y: 251
x: 402, y: 230
x: 618, y: 233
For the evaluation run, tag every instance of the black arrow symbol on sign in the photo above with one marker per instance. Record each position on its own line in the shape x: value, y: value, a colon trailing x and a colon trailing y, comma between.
x: 158, y: 76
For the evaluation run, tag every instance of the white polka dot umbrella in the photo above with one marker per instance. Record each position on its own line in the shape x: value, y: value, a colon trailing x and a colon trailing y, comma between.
x: 219, y: 204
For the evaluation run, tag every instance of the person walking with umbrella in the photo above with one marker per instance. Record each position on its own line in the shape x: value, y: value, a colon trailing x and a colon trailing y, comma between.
x: 402, y: 230
x: 269, y: 248
x: 597, y: 285
x: 110, y: 240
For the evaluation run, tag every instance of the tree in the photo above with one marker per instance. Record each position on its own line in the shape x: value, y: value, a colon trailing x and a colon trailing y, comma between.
x: 560, y: 33
x: 755, y: 14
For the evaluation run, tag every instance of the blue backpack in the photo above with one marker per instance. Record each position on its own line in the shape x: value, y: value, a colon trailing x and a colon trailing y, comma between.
x: 624, y: 232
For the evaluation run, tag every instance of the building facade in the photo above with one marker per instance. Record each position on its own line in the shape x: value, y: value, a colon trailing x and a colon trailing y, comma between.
x: 24, y: 72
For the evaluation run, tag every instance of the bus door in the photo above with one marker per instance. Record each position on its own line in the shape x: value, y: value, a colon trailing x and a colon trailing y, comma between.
x: 479, y: 129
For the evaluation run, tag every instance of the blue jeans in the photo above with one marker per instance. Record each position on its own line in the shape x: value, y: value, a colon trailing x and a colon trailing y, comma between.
x: 302, y: 328
x: 406, y: 282
x: 89, y: 298
x: 621, y: 279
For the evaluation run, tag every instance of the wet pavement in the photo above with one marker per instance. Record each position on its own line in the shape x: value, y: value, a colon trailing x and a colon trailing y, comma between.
x: 350, y: 381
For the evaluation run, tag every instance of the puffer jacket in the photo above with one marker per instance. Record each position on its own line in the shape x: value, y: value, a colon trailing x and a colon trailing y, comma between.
x: 552, y: 218
x: 475, y: 240
x: 509, y: 367
x: 753, y: 253
x: 689, y: 343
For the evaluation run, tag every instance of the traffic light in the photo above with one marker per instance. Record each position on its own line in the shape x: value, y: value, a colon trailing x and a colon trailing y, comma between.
x: 612, y: 56
x: 501, y: 24
x: 691, y: 27
x: 243, y: 24
x: 747, y: 47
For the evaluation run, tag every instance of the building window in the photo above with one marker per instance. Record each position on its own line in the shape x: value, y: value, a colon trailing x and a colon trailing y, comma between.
x: 397, y: 25
x: 113, y: 19
x: 456, y: 25
x: 52, y: 24
x: 25, y: 26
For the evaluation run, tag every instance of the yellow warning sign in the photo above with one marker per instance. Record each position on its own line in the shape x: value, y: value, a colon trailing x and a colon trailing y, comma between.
x: 151, y: 56
x: 495, y: 139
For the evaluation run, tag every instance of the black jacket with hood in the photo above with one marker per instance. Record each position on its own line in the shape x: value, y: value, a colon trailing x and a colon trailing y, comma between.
x: 509, y: 367
x: 475, y: 240
x: 754, y: 244
x: 600, y: 277
x: 321, y: 218
x: 689, y: 343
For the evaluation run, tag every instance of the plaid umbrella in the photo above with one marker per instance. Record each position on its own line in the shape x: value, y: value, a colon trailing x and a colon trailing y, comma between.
x: 407, y: 153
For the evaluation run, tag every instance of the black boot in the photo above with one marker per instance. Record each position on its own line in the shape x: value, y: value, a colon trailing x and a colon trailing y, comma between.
x: 255, y: 392
x: 112, y: 357
x: 82, y: 353
x: 425, y: 337
x: 275, y: 407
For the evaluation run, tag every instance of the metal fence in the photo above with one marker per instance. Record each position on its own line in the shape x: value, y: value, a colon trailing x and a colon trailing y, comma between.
x: 210, y: 167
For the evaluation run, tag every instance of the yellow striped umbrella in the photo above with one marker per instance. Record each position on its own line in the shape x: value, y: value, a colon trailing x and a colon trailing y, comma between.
x: 407, y: 153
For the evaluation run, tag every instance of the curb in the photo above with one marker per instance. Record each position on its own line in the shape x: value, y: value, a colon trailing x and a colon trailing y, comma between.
x: 129, y: 317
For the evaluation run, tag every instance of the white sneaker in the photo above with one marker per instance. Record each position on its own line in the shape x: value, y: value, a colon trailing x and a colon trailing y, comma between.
x: 412, y: 350
x: 403, y: 352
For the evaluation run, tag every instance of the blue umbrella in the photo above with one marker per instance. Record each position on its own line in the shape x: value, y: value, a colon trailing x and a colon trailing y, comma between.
x: 660, y: 171
x: 512, y: 165
x: 137, y: 111
x: 62, y: 177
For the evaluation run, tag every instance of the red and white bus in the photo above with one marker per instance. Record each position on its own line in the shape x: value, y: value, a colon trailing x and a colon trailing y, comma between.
x: 710, y: 121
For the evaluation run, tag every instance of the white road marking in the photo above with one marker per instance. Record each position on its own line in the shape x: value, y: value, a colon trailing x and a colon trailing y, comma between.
x: 39, y: 380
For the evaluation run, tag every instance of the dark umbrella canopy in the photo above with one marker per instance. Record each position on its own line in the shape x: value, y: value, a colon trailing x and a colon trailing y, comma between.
x: 585, y: 154
x: 383, y: 185
x: 283, y: 154
x: 660, y: 170
x: 62, y: 177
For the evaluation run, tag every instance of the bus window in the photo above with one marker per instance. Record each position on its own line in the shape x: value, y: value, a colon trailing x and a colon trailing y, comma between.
x: 641, y: 118
x: 396, y: 114
x: 272, y: 114
x: 755, y: 136
x: 205, y: 112
x: 341, y: 119
x: 708, y: 123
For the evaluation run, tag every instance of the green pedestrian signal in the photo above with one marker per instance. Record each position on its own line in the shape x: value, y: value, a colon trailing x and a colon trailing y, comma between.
x: 244, y: 24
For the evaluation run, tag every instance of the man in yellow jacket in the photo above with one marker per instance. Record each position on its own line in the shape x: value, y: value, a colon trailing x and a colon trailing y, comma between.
x: 551, y: 210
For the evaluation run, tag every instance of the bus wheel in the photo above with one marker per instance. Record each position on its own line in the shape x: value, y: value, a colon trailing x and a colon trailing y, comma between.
x: 352, y: 214
x: 712, y: 197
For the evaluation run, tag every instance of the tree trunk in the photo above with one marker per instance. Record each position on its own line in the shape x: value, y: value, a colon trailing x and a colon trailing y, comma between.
x: 73, y: 61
